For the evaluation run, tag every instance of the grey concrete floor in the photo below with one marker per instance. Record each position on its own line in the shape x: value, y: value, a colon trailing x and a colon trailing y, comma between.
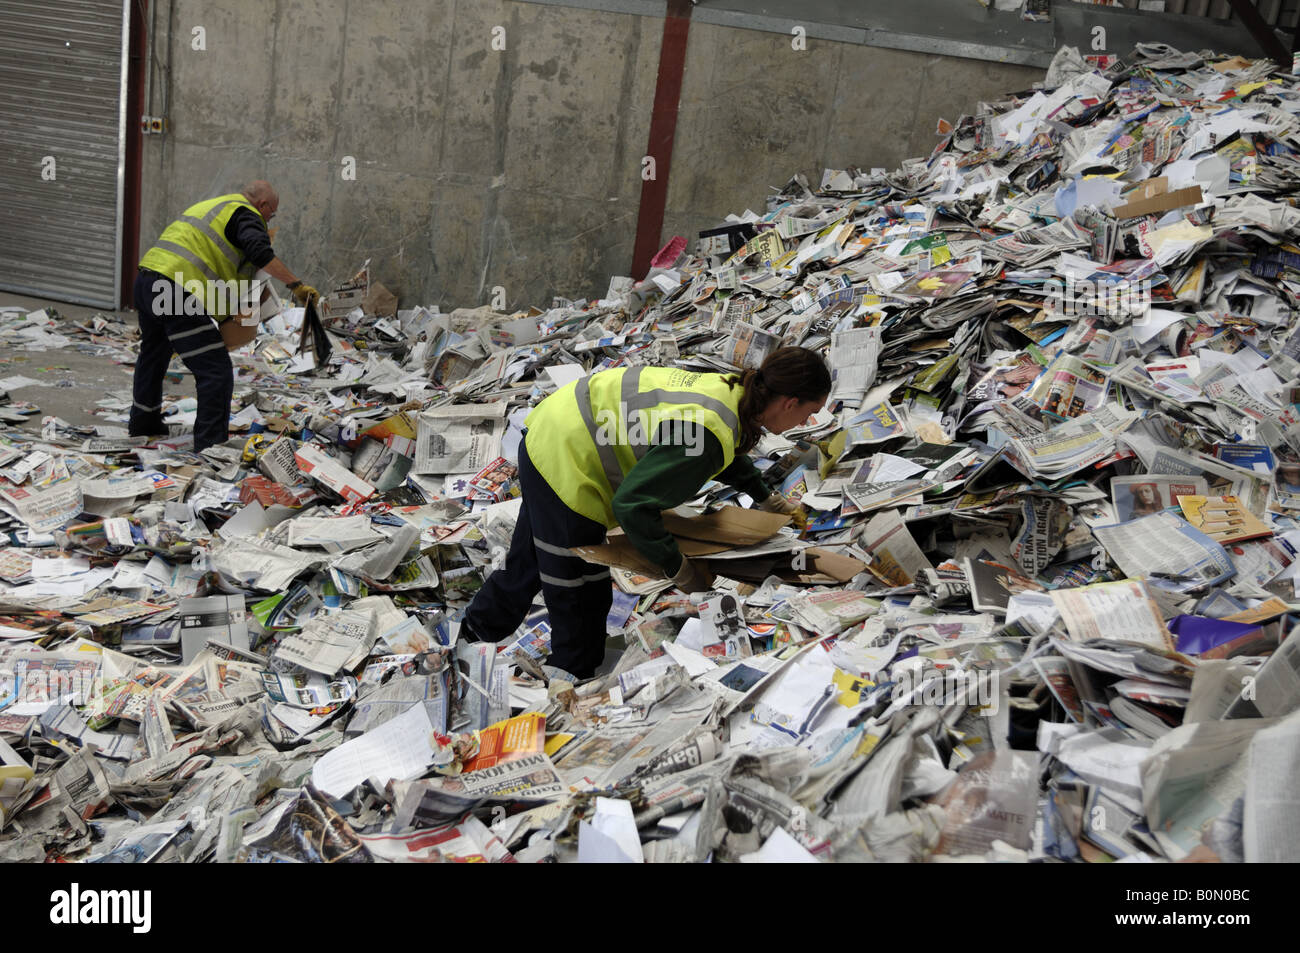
x: 71, y: 382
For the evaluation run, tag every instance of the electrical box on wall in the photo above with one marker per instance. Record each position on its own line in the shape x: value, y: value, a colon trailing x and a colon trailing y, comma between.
x: 153, y: 125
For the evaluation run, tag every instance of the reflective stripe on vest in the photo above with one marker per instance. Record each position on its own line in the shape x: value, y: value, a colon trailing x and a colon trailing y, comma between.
x: 194, y: 248
x: 634, y: 400
x: 588, y: 435
x: 604, y: 449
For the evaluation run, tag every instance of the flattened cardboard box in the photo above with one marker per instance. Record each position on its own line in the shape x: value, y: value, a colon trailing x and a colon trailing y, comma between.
x: 707, y: 535
x: 1160, y: 202
x: 619, y: 552
x: 824, y: 568
x: 732, y: 526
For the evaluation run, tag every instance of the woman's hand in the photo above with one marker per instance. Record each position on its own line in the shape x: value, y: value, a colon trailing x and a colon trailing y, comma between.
x: 691, y: 577
x: 776, y: 503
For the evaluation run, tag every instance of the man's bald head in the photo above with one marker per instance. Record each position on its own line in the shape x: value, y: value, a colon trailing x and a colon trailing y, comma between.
x: 261, y: 195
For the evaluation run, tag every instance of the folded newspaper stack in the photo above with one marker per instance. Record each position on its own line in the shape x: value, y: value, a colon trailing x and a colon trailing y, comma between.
x: 1050, y: 577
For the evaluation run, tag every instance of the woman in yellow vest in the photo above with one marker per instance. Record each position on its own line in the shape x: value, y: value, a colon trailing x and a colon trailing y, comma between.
x: 617, y: 448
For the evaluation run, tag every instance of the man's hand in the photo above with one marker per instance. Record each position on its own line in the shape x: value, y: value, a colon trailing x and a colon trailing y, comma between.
x: 692, y: 578
x: 302, y: 293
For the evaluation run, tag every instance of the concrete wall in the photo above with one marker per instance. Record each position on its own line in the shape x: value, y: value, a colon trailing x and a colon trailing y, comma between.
x: 519, y: 168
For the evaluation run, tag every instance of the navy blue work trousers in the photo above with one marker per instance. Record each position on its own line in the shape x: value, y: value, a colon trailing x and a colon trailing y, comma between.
x: 165, y: 326
x: 577, y: 593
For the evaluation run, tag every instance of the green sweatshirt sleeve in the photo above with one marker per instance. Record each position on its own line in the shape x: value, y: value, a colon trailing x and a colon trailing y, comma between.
x: 744, y: 476
x: 667, y: 476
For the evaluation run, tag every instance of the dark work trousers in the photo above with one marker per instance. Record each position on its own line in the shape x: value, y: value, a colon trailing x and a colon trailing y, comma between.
x: 165, y: 328
x: 577, y: 593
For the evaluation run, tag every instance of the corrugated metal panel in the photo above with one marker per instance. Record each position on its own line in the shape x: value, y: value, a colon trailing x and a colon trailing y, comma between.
x: 62, y: 94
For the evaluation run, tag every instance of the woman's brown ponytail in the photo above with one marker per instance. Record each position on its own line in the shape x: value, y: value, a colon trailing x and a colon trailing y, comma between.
x: 787, y: 372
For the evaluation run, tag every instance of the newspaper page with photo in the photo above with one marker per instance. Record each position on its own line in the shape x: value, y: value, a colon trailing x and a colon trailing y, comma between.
x: 459, y: 438
x: 895, y: 557
x: 748, y: 346
x: 1148, y: 493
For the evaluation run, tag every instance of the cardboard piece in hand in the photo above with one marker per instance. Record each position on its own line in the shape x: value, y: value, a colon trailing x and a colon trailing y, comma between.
x: 732, y: 527
x: 242, y: 328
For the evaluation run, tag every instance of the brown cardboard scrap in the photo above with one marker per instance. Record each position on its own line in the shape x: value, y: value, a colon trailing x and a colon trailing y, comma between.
x: 733, y: 525
x: 379, y: 301
x: 823, y: 567
x: 697, y: 536
x: 1161, y: 202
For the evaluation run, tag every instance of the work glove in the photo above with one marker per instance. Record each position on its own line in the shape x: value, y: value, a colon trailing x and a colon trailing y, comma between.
x: 692, y: 578
x: 303, y: 292
x: 776, y: 503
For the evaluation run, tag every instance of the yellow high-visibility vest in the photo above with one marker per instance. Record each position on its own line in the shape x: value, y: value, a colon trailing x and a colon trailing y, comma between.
x: 587, y: 436
x: 193, y: 251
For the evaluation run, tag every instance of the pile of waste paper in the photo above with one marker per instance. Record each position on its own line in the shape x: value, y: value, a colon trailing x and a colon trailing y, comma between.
x: 1044, y: 608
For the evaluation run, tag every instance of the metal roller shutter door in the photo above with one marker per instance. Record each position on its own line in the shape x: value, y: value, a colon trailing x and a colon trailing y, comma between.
x: 62, y: 94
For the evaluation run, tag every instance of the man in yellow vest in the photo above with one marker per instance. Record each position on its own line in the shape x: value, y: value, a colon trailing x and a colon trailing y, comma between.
x: 617, y: 448
x: 197, y: 274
